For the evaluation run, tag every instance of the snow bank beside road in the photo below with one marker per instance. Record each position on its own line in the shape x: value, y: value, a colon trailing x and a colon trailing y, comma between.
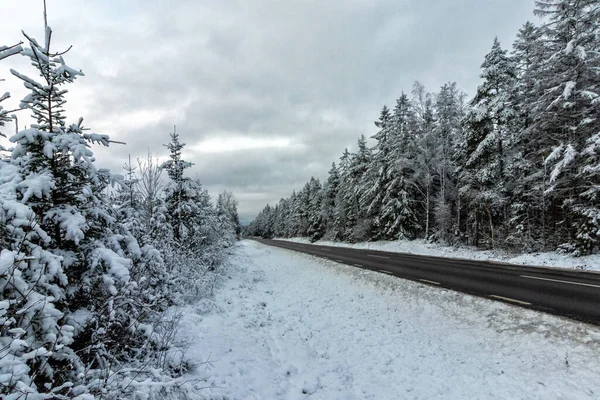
x: 422, y: 247
x: 291, y: 326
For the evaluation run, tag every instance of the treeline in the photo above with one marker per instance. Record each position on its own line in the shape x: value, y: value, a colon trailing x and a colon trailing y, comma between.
x: 517, y: 166
x: 88, y: 273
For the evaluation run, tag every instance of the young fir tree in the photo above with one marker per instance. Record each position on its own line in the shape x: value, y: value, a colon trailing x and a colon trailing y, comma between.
x: 180, y: 198
x: 74, y: 300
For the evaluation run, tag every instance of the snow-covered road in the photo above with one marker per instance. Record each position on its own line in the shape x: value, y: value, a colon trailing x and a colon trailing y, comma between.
x: 289, y: 326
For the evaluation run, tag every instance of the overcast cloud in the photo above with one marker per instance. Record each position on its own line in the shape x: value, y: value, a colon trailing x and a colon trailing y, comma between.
x: 266, y: 94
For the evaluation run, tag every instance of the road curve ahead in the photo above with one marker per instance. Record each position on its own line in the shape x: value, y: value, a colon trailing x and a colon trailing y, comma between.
x: 571, y: 293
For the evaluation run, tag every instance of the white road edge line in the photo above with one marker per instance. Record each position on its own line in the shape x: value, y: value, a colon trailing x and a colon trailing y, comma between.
x: 373, y: 255
x: 385, y: 272
x: 340, y: 261
x: 509, y: 299
x: 558, y: 280
x: 428, y: 281
x: 357, y: 265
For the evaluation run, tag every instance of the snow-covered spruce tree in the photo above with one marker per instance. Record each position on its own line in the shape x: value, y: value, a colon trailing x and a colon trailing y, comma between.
x: 196, y: 230
x: 566, y: 120
x: 526, y: 198
x: 180, y: 201
x: 330, y: 192
x: 378, y: 175
x: 189, y: 211
x: 282, y: 218
x: 300, y: 207
x: 73, y: 309
x: 316, y: 224
x: 263, y: 223
x: 399, y: 207
x: 357, y: 224
x: 488, y: 147
x: 340, y: 218
x: 293, y: 225
x: 587, y: 206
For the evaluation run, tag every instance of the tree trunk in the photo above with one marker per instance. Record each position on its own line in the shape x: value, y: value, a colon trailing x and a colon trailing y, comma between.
x: 427, y: 205
x: 491, y: 224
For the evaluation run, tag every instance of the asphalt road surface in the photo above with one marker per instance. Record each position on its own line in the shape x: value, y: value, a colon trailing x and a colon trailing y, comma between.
x: 571, y: 293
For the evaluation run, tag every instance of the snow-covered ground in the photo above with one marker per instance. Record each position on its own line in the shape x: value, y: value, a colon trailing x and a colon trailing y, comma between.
x: 547, y: 259
x: 285, y: 325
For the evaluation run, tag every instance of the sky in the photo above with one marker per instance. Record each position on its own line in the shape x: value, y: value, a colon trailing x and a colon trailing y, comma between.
x: 265, y: 94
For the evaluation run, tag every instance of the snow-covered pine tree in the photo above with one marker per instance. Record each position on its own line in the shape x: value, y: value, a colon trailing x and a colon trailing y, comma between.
x: 488, y: 146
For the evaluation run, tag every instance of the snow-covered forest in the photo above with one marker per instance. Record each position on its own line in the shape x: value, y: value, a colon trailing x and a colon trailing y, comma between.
x: 517, y: 166
x: 91, y: 261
